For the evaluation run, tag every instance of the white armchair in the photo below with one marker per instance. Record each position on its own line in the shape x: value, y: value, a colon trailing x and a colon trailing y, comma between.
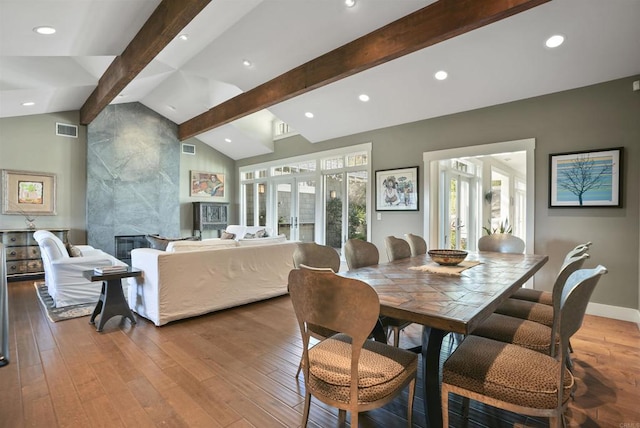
x: 63, y: 274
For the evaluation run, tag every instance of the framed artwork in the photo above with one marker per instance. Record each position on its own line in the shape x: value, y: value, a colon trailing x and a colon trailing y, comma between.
x: 397, y: 189
x: 25, y: 192
x: 207, y: 184
x: 586, y: 179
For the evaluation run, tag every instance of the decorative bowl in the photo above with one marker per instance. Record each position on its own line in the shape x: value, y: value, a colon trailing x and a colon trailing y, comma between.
x: 447, y: 257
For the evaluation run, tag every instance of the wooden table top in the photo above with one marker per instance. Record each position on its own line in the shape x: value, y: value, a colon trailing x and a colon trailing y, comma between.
x: 448, y: 302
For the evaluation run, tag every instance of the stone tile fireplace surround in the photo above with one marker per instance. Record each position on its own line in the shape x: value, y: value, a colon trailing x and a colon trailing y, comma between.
x: 133, y: 168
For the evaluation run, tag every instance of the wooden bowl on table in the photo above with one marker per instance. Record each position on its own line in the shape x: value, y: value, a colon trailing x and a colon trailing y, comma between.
x: 447, y: 257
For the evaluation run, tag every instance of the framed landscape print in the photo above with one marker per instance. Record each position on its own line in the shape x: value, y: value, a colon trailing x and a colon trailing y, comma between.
x: 586, y: 179
x: 25, y: 192
x: 397, y: 189
x: 207, y: 184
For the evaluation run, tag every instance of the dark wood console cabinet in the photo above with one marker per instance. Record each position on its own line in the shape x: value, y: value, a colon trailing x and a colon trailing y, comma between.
x: 209, y: 216
x: 23, y: 252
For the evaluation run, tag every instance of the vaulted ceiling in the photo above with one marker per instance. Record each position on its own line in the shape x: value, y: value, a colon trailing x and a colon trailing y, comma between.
x: 201, y: 83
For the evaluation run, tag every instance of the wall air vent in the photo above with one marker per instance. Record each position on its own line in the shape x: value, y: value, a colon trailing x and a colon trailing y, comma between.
x: 66, y: 130
x: 188, y: 149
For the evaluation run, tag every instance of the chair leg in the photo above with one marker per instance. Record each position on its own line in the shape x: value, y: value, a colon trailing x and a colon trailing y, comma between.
x: 445, y: 409
x: 342, y: 418
x: 412, y: 393
x: 354, y: 419
x: 396, y: 336
x: 307, y: 404
x: 299, y: 369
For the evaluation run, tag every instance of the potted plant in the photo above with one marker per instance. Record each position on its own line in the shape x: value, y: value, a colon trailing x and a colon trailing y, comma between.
x: 500, y: 239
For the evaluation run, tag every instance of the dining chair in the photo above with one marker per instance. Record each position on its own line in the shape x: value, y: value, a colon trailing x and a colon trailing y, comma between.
x: 417, y: 244
x: 515, y: 378
x: 360, y: 254
x: 397, y: 248
x: 539, y: 312
x: 312, y: 255
x: 501, y: 243
x: 316, y: 255
x: 545, y: 297
x: 531, y: 333
x: 346, y: 370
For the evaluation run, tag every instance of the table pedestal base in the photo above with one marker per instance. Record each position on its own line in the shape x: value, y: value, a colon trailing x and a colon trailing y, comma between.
x: 111, y: 303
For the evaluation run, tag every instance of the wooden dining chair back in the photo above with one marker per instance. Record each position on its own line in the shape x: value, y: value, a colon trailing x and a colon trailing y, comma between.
x: 397, y: 248
x: 316, y: 255
x: 528, y: 324
x: 543, y: 296
x: 346, y: 370
x: 518, y: 379
x: 417, y: 244
x: 359, y: 253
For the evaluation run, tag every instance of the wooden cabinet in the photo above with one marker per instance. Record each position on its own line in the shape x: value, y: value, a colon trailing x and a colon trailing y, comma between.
x: 22, y: 251
x: 209, y: 216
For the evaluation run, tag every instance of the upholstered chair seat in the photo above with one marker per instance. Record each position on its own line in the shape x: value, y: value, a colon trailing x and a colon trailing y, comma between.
x: 507, y: 372
x: 516, y: 378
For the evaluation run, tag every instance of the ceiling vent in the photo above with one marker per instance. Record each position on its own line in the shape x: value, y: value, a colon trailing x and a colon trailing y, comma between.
x: 188, y: 149
x: 66, y: 130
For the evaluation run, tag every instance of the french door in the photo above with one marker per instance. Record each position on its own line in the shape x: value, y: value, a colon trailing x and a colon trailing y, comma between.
x: 459, y: 214
x: 296, y: 208
x: 345, y: 207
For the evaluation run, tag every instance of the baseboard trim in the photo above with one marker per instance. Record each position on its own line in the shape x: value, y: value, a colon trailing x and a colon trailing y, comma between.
x: 615, y: 312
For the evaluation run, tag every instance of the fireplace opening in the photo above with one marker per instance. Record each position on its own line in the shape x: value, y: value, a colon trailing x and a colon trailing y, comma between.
x: 126, y: 243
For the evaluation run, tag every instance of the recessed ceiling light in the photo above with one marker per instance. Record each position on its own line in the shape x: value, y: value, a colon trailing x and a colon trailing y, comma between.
x: 364, y: 98
x: 554, y: 41
x: 441, y: 75
x: 183, y: 37
x: 350, y: 3
x: 227, y: 140
x: 28, y: 103
x: 45, y: 30
x: 309, y: 114
x: 246, y: 63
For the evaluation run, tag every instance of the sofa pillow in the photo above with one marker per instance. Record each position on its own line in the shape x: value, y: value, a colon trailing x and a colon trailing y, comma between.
x: 249, y: 236
x: 227, y: 235
x: 160, y: 242
x: 262, y: 233
x: 271, y: 240
x: 73, y: 251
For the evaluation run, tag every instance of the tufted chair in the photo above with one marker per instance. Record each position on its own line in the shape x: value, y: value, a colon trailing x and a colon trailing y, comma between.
x: 346, y: 370
x: 417, y: 244
x: 397, y: 248
x: 518, y: 379
x: 63, y: 274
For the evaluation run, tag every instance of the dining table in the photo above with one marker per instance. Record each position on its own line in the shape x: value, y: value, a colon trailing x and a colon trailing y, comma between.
x: 445, y: 299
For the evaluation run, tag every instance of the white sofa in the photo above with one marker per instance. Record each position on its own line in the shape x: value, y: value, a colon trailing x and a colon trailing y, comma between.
x: 197, y: 277
x: 63, y: 273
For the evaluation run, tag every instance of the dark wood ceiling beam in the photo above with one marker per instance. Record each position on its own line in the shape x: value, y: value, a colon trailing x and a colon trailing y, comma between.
x: 430, y: 25
x: 164, y: 24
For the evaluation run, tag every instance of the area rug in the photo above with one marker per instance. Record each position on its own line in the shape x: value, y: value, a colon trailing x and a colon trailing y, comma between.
x: 61, y: 314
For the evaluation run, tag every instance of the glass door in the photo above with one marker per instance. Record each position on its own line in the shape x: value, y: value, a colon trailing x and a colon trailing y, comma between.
x: 345, y: 205
x: 296, y: 208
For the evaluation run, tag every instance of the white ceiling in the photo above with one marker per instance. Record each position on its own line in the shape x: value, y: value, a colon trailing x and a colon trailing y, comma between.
x: 502, y: 62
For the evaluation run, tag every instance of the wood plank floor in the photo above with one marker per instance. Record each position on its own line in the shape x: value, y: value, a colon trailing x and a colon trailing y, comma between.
x: 236, y: 369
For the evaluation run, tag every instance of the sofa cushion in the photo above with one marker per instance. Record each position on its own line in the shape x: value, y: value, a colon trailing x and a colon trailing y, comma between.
x: 160, y: 242
x: 227, y: 235
x: 204, y: 245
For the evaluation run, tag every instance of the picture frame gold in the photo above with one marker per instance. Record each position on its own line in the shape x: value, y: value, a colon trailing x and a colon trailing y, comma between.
x: 27, y: 192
